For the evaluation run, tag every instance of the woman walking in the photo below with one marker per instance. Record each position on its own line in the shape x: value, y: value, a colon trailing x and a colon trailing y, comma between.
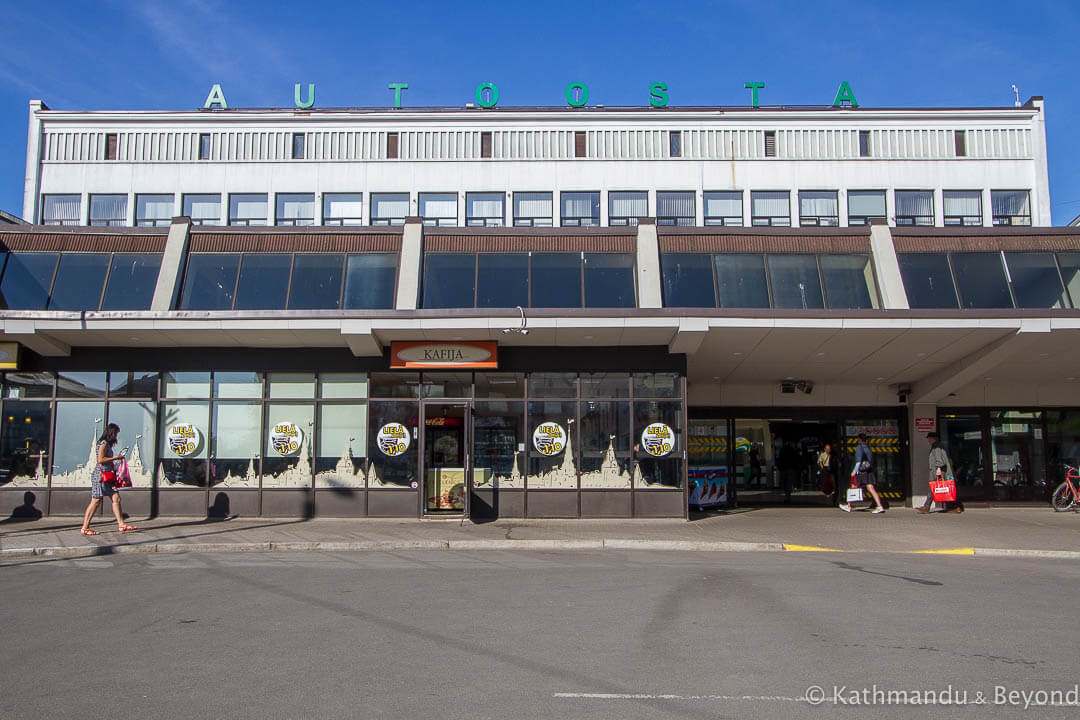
x: 103, y: 482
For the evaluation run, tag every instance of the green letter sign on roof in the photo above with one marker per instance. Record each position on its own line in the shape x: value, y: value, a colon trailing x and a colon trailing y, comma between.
x: 658, y: 94
x: 216, y: 97
x: 753, y: 87
x: 844, y: 95
x: 305, y: 104
x: 487, y: 95
x: 577, y: 94
x: 397, y: 88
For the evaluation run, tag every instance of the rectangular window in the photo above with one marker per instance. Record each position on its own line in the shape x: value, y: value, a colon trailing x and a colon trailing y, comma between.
x: 316, y: 281
x: 391, y: 146
x: 247, y: 209
x: 204, y: 146
x: 864, y: 143
x: 960, y: 143
x: 724, y: 208
x: 1011, y: 207
x: 675, y: 144
x: 849, y: 282
x: 863, y: 205
x: 741, y: 281
x: 108, y: 210
x: 675, y: 208
x: 624, y: 208
x: 263, y: 282
x: 962, y: 207
x: 485, y: 144
x: 27, y: 280
x: 1035, y: 279
x: 609, y: 280
x: 203, y: 209
x: 580, y: 209
x: 502, y: 280
x: 928, y: 280
x: 980, y: 278
x: 770, y: 143
x: 295, y: 209
x: 556, y: 280
x: 110, y: 146
x: 687, y: 280
x: 579, y: 144
x: 818, y: 208
x: 914, y: 207
x: 532, y: 209
x: 298, y: 146
x: 795, y: 282
x: 153, y: 210
x: 770, y: 208
x: 80, y: 280
x: 210, y: 281
x: 449, y: 280
x: 132, y: 278
x: 61, y: 209
x: 389, y: 208
x: 343, y: 209
x: 439, y: 209
x: 370, y: 281
x: 485, y: 209
x: 1069, y: 262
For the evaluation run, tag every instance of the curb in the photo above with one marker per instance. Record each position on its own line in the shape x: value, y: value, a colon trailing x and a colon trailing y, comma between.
x: 1010, y: 552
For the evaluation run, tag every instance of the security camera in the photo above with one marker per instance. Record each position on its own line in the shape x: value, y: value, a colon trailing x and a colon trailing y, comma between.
x: 787, y: 387
x: 805, y: 386
x: 902, y: 392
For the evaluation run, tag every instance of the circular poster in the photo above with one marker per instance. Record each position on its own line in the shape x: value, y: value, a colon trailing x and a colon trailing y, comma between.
x: 286, y: 438
x: 393, y: 439
x: 549, y: 438
x: 657, y: 439
x: 184, y: 439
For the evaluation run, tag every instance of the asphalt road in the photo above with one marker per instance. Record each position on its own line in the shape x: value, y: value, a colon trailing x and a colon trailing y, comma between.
x: 516, y: 634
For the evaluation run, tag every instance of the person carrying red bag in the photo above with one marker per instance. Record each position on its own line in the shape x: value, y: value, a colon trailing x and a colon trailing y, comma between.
x: 939, y: 467
x: 103, y: 482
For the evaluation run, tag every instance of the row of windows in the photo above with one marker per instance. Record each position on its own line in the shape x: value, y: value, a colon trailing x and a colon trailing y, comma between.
x: 527, y: 144
x: 991, y: 279
x: 538, y: 209
x: 78, y: 281
x: 753, y: 280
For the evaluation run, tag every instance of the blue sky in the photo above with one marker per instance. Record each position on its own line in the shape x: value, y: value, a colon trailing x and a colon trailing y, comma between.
x: 111, y: 55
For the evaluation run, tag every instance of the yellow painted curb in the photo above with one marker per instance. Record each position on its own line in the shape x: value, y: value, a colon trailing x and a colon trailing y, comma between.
x: 946, y: 551
x: 810, y: 548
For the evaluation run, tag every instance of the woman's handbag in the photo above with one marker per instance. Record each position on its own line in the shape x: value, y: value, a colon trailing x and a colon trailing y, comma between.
x: 854, y: 493
x: 108, y: 477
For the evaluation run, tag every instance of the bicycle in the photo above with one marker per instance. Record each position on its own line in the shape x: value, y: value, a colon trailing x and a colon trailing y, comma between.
x: 1067, y: 495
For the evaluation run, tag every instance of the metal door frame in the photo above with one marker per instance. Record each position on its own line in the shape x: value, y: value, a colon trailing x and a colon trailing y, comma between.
x: 467, y: 406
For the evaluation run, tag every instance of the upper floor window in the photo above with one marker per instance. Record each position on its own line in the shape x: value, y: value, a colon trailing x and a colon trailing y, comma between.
x: 624, y: 208
x: 675, y: 208
x: 153, y: 210
x: 108, y: 210
x: 79, y: 281
x: 770, y: 207
x: 485, y: 144
x: 61, y: 209
x: 485, y: 209
x: 298, y: 146
x: 295, y: 209
x: 439, y: 209
x: 111, y: 143
x: 914, y: 207
x: 532, y: 209
x: 864, y: 205
x: 770, y: 143
x: 391, y: 145
x: 724, y: 207
x: 674, y: 144
x: 864, y: 143
x: 343, y: 209
x: 204, y: 146
x: 389, y: 208
x: 247, y: 209
x: 818, y: 207
x: 962, y: 207
x: 960, y: 143
x: 203, y: 209
x: 580, y: 209
x: 1011, y: 207
x: 580, y: 146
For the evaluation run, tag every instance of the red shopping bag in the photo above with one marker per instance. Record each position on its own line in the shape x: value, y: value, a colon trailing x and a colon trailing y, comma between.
x: 943, y: 490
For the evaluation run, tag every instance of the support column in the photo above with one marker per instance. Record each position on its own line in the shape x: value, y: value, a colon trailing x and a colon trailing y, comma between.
x: 32, y: 178
x: 648, y: 264
x: 887, y: 265
x: 919, y: 449
x: 167, y: 290
x: 410, y: 264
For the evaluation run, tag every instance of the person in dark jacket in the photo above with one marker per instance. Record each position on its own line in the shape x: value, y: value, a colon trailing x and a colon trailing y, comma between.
x: 788, y: 461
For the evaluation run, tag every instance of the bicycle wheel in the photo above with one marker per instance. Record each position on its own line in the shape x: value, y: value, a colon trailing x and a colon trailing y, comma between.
x: 1063, y: 497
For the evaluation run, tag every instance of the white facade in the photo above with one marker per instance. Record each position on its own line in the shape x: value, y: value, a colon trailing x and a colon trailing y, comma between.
x: 443, y: 151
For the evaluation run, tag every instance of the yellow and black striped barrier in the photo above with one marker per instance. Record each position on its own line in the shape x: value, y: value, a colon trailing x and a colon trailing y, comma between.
x: 877, y: 444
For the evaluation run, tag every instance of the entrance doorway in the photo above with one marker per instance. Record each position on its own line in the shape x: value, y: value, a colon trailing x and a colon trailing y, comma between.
x: 776, y: 461
x: 446, y: 470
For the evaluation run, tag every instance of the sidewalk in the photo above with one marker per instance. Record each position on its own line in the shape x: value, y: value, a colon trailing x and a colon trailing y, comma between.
x: 997, y: 531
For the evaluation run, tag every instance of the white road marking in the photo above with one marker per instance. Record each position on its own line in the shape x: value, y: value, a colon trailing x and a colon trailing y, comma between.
x: 648, y: 696
x: 95, y: 563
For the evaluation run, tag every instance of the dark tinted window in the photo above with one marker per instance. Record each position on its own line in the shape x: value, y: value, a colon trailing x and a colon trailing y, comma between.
x: 980, y: 278
x: 264, y: 281
x: 79, y: 281
x: 609, y: 280
x: 449, y: 280
x: 927, y: 280
x: 132, y: 280
x: 369, y: 281
x: 556, y: 280
x: 210, y: 282
x: 27, y: 279
x: 741, y: 281
x: 1035, y: 280
x: 502, y: 280
x: 688, y: 280
x: 316, y: 281
x: 1070, y: 272
x: 795, y: 282
x: 849, y: 281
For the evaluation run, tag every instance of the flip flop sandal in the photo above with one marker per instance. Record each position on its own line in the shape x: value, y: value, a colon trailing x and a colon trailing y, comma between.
x: 127, y: 528
x: 88, y: 531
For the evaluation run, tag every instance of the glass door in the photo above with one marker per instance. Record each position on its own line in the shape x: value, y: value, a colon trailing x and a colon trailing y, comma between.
x: 447, y: 462
x: 962, y: 437
x: 1017, y: 456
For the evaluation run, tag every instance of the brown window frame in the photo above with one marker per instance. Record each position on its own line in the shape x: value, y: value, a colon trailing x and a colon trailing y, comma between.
x: 960, y: 143
x: 579, y: 144
x: 485, y: 145
x: 770, y: 143
x: 111, y: 144
x: 391, y: 146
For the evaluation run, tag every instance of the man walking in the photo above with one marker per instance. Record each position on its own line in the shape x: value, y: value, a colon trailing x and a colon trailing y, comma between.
x: 938, y: 464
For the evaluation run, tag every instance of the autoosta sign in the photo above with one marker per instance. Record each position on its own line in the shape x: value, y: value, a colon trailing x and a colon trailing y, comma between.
x: 486, y: 95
